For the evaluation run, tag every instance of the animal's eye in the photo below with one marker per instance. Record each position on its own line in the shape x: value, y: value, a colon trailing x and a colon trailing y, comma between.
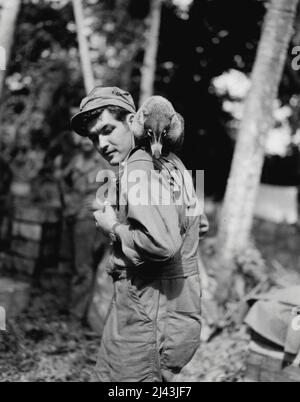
x: 149, y: 132
x: 165, y: 132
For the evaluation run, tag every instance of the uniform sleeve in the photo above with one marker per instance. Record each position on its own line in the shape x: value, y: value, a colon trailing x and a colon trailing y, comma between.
x: 152, y: 232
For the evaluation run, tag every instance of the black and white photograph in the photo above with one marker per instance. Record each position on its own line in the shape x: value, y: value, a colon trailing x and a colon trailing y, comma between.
x: 149, y: 193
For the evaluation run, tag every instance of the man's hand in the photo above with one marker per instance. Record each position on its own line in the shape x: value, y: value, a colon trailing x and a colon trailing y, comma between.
x: 106, y: 218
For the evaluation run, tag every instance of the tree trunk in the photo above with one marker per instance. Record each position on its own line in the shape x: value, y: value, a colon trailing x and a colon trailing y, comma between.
x: 86, y: 64
x: 151, y: 50
x: 8, y: 20
x: 296, y: 38
x: 239, y: 203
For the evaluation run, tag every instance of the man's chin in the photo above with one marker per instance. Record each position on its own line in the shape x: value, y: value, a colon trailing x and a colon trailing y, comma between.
x: 114, y: 160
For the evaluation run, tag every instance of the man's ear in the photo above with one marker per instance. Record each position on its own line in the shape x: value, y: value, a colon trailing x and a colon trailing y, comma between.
x: 129, y: 119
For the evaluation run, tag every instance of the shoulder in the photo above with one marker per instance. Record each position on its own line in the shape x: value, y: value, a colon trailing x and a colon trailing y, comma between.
x: 175, y: 160
x: 139, y: 159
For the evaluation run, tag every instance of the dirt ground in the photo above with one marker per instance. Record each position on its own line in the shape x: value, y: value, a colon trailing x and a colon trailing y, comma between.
x: 42, y: 345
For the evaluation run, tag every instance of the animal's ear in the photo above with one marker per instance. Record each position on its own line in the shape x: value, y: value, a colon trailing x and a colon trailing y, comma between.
x: 176, y: 132
x: 177, y: 127
x: 138, y: 124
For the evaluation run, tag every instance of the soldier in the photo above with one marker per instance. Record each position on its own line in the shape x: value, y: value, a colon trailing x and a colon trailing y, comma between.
x: 153, y: 326
x: 79, y: 186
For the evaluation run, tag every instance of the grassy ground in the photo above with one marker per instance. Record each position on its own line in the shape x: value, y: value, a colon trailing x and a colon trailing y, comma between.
x: 44, y: 346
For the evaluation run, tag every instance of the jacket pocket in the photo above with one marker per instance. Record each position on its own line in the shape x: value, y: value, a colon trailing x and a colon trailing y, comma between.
x: 184, y: 294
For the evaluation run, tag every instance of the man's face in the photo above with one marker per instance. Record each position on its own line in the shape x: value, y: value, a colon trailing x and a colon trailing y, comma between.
x: 112, y: 138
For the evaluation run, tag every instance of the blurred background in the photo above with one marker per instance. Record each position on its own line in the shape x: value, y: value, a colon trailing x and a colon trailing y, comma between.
x: 205, y: 56
x: 199, y: 54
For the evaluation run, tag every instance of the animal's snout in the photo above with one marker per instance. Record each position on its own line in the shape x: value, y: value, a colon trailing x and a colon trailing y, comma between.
x: 156, y: 149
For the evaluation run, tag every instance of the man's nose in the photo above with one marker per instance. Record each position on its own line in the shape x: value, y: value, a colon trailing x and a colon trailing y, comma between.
x: 103, y: 142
